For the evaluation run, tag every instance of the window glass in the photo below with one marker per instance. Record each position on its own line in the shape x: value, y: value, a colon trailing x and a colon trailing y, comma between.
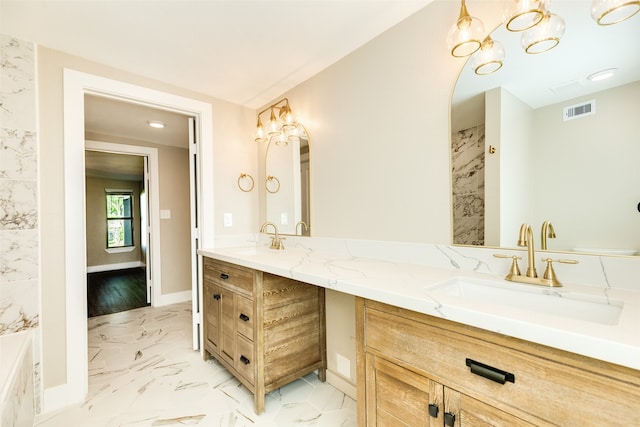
x: 119, y: 219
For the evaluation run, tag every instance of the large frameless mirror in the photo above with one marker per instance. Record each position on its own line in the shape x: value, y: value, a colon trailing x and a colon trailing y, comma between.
x: 539, y: 141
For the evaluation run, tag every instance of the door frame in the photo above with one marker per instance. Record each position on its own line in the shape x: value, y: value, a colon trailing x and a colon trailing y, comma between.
x: 153, y: 214
x: 76, y: 85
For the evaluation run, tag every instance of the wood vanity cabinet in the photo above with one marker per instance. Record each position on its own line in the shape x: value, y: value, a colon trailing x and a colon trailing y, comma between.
x: 416, y: 370
x: 266, y: 330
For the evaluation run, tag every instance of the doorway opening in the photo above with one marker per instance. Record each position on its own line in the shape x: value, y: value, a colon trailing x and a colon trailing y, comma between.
x: 76, y: 86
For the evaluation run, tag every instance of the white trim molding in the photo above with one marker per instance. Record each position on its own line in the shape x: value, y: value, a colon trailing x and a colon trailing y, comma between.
x: 76, y: 86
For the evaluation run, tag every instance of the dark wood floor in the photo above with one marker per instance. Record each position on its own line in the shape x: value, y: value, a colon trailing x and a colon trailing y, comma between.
x: 114, y: 291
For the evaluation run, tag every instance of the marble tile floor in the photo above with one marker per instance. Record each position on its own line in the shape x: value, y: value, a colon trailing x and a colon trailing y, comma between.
x: 143, y: 372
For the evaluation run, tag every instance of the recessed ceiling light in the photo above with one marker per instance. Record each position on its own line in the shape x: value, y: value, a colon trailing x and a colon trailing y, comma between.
x: 156, y: 124
x: 602, y: 75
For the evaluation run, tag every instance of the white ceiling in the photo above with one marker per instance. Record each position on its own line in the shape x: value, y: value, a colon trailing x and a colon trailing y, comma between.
x: 246, y: 52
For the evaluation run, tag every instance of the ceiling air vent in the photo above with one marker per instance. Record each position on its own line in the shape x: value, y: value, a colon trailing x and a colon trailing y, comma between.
x: 579, y: 110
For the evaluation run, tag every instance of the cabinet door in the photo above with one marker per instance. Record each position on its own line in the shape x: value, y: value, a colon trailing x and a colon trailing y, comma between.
x: 213, y: 298
x: 465, y: 411
x: 398, y: 397
x: 228, y: 325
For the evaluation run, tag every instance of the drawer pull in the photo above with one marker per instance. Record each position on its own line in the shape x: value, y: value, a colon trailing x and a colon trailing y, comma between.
x: 433, y: 410
x: 244, y: 317
x: 216, y: 297
x: 490, y: 372
x: 449, y: 419
x: 224, y: 276
x: 244, y: 360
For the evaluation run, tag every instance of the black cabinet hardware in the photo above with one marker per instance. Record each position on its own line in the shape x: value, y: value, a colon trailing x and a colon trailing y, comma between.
x: 216, y: 297
x: 244, y: 317
x: 449, y: 419
x: 433, y: 410
x: 489, y: 372
x: 224, y: 276
x: 244, y: 360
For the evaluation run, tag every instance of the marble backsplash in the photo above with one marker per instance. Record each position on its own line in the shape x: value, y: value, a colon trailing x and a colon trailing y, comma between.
x: 467, y: 183
x: 605, y: 272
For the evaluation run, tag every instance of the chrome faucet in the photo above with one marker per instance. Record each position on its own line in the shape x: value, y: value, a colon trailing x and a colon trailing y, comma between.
x: 303, y: 225
x: 276, y: 240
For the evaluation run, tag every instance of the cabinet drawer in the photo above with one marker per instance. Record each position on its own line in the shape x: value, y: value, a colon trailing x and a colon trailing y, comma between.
x: 244, y: 316
x: 543, y: 390
x: 244, y: 362
x: 228, y: 274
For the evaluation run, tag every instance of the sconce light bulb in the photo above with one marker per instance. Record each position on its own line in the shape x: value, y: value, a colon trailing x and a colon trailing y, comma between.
x: 259, y: 135
x: 273, y: 125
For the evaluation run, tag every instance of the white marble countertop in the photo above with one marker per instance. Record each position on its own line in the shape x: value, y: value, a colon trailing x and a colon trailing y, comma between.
x: 404, y: 285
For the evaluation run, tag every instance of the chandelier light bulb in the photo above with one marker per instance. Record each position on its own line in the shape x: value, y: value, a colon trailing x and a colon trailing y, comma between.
x: 609, y: 12
x: 489, y: 58
x: 466, y: 35
x: 520, y: 15
x: 544, y: 36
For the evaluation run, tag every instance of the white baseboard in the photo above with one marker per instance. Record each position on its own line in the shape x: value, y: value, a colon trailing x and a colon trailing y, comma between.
x: 174, y: 298
x: 54, y: 398
x: 110, y: 267
x: 339, y: 382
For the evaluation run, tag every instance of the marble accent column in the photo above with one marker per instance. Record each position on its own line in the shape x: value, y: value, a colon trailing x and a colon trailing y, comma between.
x: 467, y: 151
x: 19, y: 234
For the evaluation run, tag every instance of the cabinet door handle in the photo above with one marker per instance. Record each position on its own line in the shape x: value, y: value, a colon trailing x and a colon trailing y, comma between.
x: 224, y: 276
x: 449, y: 419
x: 244, y: 360
x: 489, y: 372
x: 433, y: 410
x: 244, y: 317
x: 216, y: 297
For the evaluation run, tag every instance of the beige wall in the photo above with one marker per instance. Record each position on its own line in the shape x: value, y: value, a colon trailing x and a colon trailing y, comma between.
x: 591, y: 166
x: 233, y: 152
x: 379, y: 127
x: 97, y: 225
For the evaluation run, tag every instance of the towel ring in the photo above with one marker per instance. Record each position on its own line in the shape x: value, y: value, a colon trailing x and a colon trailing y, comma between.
x: 244, y: 177
x: 271, y: 178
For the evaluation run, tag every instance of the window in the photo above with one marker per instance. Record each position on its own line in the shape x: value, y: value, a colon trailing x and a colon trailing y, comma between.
x: 119, y: 219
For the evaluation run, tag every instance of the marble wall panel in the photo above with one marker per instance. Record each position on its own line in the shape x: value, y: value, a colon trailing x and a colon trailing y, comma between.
x: 467, y: 174
x: 18, y: 154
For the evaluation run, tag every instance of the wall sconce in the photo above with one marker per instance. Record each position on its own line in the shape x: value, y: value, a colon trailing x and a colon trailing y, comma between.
x: 609, y: 12
x: 282, y: 126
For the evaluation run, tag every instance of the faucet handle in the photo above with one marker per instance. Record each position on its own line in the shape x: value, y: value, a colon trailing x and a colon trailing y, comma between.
x: 549, y: 272
x: 515, y: 269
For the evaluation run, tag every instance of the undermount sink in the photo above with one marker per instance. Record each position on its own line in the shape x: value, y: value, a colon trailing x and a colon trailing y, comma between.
x: 542, y: 300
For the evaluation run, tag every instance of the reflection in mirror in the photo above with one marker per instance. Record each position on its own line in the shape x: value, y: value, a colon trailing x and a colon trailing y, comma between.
x: 287, y: 186
x: 557, y: 156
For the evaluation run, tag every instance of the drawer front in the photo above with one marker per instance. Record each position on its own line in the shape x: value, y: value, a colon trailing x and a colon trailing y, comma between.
x: 244, y: 316
x: 228, y: 274
x: 542, y: 390
x: 244, y: 361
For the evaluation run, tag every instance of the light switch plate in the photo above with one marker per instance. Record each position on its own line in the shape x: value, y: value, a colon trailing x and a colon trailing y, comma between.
x: 284, y: 218
x: 165, y: 213
x: 228, y: 219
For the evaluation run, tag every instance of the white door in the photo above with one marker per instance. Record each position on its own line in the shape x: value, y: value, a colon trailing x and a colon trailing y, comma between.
x: 146, y: 228
x: 194, y: 170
